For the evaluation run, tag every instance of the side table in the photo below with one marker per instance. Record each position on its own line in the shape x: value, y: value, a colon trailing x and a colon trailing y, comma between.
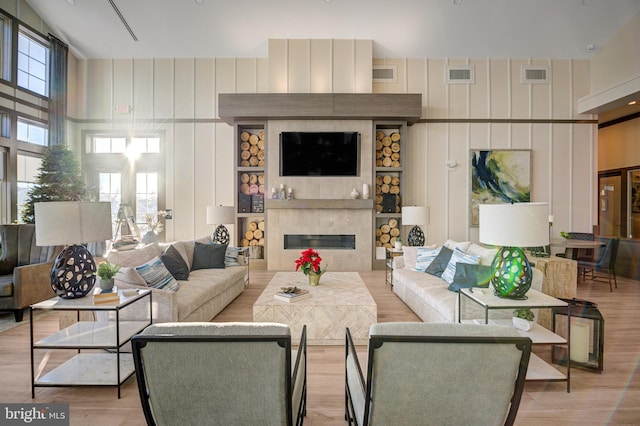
x: 99, y: 360
x: 390, y: 254
x: 538, y: 368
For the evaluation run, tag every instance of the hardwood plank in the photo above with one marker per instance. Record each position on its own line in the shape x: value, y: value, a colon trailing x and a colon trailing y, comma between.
x: 608, y: 398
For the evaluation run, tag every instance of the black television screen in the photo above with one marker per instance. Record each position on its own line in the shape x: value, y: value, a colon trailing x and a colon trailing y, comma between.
x: 319, y: 154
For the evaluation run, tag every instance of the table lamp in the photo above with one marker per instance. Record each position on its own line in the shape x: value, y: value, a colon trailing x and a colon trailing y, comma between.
x: 415, y: 215
x: 512, y: 226
x: 220, y: 215
x: 72, y: 224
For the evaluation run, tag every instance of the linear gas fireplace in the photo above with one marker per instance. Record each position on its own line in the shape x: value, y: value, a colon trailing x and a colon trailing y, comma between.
x: 323, y: 241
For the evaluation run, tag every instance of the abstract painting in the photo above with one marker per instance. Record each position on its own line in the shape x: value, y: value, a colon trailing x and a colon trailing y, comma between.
x: 499, y: 176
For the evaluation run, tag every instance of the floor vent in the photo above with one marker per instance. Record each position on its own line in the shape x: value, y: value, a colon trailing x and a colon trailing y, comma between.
x: 460, y: 75
x: 385, y: 73
x: 535, y: 75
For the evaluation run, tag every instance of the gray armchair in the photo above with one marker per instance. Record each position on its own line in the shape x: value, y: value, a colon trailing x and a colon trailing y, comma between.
x: 220, y: 373
x: 437, y: 374
x: 24, y: 268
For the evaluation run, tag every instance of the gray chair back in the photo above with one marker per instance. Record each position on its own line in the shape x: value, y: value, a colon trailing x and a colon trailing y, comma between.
x: 217, y: 373
x: 439, y: 374
x: 19, y: 247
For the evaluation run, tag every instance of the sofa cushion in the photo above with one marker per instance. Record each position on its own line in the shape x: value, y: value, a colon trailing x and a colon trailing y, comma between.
x: 439, y: 264
x: 175, y: 263
x: 470, y: 275
x: 486, y: 254
x: 231, y: 256
x: 425, y: 257
x: 458, y: 256
x: 208, y: 256
x: 134, y: 257
x: 410, y: 254
x: 157, y: 275
x: 451, y: 244
x: 129, y: 275
x: 6, y: 285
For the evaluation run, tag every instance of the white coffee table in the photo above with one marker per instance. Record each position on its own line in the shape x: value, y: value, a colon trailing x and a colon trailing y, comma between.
x: 341, y: 300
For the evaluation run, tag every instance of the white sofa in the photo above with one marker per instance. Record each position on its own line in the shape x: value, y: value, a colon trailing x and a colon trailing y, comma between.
x: 428, y: 295
x: 201, y: 297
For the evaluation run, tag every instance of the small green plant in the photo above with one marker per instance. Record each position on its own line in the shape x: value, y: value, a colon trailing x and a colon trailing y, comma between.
x: 524, y: 313
x: 564, y: 235
x: 106, y: 271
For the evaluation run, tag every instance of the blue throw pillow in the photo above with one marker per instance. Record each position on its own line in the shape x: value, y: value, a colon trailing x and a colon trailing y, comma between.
x: 208, y: 256
x: 469, y: 275
x: 425, y: 257
x: 439, y: 264
x: 175, y: 264
x: 457, y: 257
x: 156, y: 275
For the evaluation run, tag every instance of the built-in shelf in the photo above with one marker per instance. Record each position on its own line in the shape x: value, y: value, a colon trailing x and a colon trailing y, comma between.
x: 319, y: 204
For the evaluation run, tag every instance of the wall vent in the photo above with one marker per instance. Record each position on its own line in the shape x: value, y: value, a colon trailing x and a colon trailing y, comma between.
x: 535, y: 75
x: 385, y: 73
x: 460, y: 75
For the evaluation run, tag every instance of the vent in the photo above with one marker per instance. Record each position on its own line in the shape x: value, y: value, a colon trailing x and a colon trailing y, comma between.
x: 460, y: 75
x: 535, y: 75
x: 385, y: 73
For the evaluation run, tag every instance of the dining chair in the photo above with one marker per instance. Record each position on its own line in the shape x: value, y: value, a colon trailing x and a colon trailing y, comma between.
x: 604, y: 262
x: 220, y: 374
x: 438, y: 374
x: 586, y: 254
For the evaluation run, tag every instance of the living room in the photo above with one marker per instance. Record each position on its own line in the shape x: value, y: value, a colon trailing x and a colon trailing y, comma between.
x: 176, y: 99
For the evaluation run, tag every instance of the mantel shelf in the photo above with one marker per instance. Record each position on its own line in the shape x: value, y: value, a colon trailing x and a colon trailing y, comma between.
x: 319, y: 204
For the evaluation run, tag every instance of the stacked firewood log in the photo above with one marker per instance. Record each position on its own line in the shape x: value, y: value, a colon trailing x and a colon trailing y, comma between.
x: 386, y: 233
x: 252, y: 149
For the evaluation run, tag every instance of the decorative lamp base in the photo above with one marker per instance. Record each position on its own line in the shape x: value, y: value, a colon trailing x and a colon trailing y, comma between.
x: 416, y: 237
x: 73, y: 274
x: 511, y: 273
x: 220, y: 235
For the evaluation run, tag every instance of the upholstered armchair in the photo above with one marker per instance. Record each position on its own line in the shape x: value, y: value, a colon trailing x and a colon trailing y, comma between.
x: 24, y: 268
x: 439, y: 374
x: 197, y: 373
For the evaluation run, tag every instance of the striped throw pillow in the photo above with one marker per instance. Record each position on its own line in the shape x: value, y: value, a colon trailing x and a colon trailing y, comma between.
x: 157, y: 275
x: 458, y: 256
x: 425, y: 257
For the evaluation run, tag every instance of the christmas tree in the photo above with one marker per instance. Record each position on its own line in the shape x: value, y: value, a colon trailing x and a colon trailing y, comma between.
x: 59, y: 180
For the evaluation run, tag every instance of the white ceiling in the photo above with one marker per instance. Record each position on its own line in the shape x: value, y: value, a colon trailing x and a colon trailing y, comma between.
x: 398, y: 28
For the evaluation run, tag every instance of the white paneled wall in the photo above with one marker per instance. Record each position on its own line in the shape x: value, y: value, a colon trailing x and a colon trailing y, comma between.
x: 179, y: 97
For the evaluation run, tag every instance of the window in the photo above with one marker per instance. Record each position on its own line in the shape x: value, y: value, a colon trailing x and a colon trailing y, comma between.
x: 27, y: 171
x: 33, y: 63
x: 5, y: 47
x: 110, y: 189
x: 31, y: 131
x: 106, y: 145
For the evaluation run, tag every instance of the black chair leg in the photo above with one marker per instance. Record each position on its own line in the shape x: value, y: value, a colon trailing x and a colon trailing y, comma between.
x: 18, y: 314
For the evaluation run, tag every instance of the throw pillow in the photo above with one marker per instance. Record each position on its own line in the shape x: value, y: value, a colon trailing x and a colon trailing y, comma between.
x: 458, y: 256
x: 231, y: 256
x: 208, y: 256
x: 157, y: 275
x: 129, y: 275
x: 134, y: 257
x: 469, y: 275
x: 425, y: 257
x: 486, y: 254
x: 439, y: 264
x: 175, y: 264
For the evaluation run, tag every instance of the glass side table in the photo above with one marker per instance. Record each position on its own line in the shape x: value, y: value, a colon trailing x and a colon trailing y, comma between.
x: 99, y: 360
x: 390, y: 254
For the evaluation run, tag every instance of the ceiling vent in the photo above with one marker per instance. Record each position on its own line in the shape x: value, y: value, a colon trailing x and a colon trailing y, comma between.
x: 535, y: 75
x: 385, y: 73
x: 461, y: 75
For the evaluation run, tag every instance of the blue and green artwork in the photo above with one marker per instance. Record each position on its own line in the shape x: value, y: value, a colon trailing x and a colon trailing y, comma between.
x: 499, y: 176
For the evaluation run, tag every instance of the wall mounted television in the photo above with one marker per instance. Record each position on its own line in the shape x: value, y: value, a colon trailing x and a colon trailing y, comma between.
x: 319, y: 154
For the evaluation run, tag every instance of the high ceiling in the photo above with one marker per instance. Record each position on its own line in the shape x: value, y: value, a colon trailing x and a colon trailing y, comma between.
x: 398, y: 28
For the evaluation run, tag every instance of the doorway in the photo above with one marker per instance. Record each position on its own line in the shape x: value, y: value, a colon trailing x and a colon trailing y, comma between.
x: 609, y: 205
x: 633, y: 224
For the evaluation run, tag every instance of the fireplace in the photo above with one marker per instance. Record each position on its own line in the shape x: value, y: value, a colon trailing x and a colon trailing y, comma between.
x: 320, y: 241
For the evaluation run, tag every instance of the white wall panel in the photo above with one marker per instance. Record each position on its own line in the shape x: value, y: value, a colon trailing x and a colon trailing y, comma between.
x: 204, y: 169
x: 183, y: 87
x: 143, y: 93
x: 99, y: 97
x: 437, y: 177
x: 343, y: 66
x: 163, y: 80
x: 582, y: 191
x: 561, y: 83
x: 500, y: 81
x: 321, y: 66
x: 417, y: 80
x: 520, y: 94
x: 458, y: 181
x: 298, y: 60
x: 122, y: 84
x: 437, y: 102
x: 204, y: 88
x: 246, y: 80
x: 225, y: 77
x: 362, y: 63
x: 479, y: 91
x: 541, y: 94
x: 262, y: 77
x: 278, y: 66
x: 562, y: 184
x: 183, y: 181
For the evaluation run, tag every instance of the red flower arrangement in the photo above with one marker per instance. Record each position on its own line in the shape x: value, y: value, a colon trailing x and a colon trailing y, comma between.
x: 308, y: 261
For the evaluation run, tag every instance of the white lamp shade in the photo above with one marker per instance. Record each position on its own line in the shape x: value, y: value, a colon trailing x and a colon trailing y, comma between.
x: 72, y: 222
x: 415, y: 215
x: 514, y: 225
x: 220, y: 215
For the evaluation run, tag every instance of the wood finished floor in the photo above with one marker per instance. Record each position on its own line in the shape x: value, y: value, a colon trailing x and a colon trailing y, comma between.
x: 610, y: 398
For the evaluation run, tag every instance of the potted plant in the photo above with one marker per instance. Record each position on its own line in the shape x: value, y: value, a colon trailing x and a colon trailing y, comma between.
x: 398, y: 243
x: 309, y: 263
x: 106, y: 272
x: 523, y: 319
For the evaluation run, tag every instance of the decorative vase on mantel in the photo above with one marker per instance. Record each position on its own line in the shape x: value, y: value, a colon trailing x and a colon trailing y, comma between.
x: 314, y: 277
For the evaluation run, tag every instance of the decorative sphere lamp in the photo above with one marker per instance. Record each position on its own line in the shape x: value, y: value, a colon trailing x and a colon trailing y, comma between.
x: 72, y: 224
x: 415, y: 215
x: 512, y: 226
x: 220, y: 215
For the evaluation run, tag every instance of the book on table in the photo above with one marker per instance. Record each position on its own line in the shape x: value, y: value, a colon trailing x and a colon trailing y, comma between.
x: 106, y: 298
x: 292, y: 297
